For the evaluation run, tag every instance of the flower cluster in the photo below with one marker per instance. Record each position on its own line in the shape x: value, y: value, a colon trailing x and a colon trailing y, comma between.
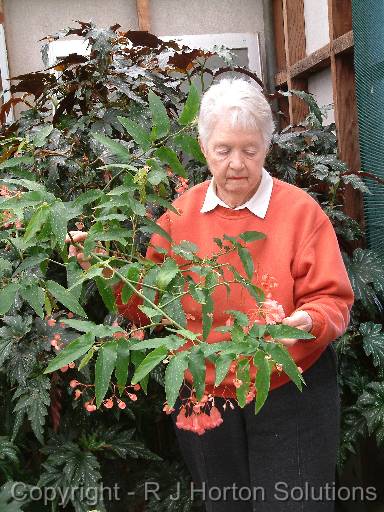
x: 182, y: 185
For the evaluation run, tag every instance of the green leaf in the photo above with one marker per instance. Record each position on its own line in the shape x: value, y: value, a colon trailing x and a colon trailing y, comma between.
x: 65, y: 297
x: 196, y: 366
x: 241, y: 318
x: 185, y: 249
x: 7, y: 297
x: 373, y: 342
x: 246, y: 260
x: 74, y: 274
x: 113, y: 146
x: 191, y: 107
x: 207, y: 310
x: 190, y: 146
x: 174, y: 376
x: 122, y: 363
x: 160, y: 119
x: 97, y: 330
x: 87, y: 358
x: 242, y: 373
x: 281, y: 355
x: 41, y: 136
x: 170, y: 342
x: 149, y: 363
x: 35, y: 297
x: 152, y: 227
x: 251, y: 236
x: 263, y: 379
x: 71, y: 352
x: 5, y: 267
x: 285, y: 331
x: 58, y: 217
x: 34, y: 400
x: 138, y: 134
x: 166, y: 273
x: 223, y: 363
x: 104, y: 367
x: 366, y: 273
x: 16, y: 162
x: 106, y: 293
x: 132, y: 273
x: 169, y: 157
x: 371, y: 403
x: 36, y: 222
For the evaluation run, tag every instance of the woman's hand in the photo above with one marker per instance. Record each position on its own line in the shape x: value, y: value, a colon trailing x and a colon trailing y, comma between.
x: 299, y: 319
x: 73, y: 251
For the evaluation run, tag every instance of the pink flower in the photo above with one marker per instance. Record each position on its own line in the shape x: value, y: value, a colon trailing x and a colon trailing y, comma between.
x: 273, y: 311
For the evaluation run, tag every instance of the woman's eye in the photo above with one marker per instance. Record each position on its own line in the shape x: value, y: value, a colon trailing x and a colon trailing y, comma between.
x: 251, y: 153
x: 223, y: 151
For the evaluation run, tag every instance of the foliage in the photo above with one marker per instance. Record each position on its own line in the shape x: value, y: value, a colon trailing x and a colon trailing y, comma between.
x: 307, y: 157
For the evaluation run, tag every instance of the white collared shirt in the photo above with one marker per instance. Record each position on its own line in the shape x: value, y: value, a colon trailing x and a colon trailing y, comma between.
x: 257, y: 204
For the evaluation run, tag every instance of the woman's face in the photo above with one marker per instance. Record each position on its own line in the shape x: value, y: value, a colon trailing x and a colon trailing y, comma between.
x: 235, y: 157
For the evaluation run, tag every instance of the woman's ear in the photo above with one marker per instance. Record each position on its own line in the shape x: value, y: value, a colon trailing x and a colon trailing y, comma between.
x: 202, y: 147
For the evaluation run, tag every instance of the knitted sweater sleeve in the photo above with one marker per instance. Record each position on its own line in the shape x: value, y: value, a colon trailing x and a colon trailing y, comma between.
x: 131, y: 309
x: 322, y: 286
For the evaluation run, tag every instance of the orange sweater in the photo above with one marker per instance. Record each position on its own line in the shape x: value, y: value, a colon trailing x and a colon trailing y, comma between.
x: 300, y: 251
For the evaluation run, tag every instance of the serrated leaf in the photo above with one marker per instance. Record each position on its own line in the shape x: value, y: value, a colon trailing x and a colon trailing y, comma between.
x: 152, y: 227
x: 207, y: 311
x: 169, y: 157
x: 191, y: 106
x: 7, y: 297
x: 87, y: 358
x: 41, y: 136
x: 251, y: 236
x: 97, y: 330
x: 190, y: 146
x: 241, y: 318
x: 222, y: 364
x: 148, y: 363
x: 106, y: 293
x: 160, y: 120
x: 263, y: 378
x: 371, y: 403
x: 34, y: 401
x: 17, y: 162
x: 71, y: 352
x: 105, y: 364
x: 138, y: 134
x: 365, y: 269
x: 286, y: 331
x: 174, y: 376
x: 242, y: 373
x: 65, y: 297
x: 246, y: 260
x: 36, y: 222
x: 58, y: 217
x: 166, y: 272
x: 373, y: 342
x: 196, y: 366
x: 35, y: 297
x: 115, y: 148
x: 170, y: 342
x: 122, y: 363
x: 281, y: 355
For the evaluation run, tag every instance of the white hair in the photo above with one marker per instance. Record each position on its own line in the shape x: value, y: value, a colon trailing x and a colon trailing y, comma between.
x: 242, y: 102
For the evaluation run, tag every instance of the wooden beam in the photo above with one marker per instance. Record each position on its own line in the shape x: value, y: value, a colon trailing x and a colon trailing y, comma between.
x: 278, y: 27
x: 143, y: 15
x: 343, y: 43
x: 317, y: 60
x: 339, y: 17
x: 295, y: 50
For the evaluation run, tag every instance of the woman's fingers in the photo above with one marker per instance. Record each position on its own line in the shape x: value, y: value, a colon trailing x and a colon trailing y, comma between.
x: 76, y: 236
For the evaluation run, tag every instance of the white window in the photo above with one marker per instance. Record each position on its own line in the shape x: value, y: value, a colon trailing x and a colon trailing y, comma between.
x: 59, y: 49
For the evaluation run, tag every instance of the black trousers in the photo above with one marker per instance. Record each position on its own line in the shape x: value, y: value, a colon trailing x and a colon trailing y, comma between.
x: 282, y: 459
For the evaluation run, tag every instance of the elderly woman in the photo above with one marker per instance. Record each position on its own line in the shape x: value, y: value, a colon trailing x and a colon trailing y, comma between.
x: 284, y: 458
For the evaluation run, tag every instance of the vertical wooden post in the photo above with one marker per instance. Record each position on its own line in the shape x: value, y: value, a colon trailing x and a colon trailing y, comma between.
x: 143, y: 16
x: 295, y: 50
x: 344, y: 98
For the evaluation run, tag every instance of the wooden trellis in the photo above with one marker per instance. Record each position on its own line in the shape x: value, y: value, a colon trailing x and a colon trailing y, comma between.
x: 294, y: 67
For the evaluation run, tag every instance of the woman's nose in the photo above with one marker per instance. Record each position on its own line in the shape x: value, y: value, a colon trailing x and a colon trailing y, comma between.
x: 236, y: 161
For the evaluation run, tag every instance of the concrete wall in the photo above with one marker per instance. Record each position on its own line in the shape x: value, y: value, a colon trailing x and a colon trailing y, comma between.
x: 320, y: 85
x: 316, y: 24
x: 27, y: 21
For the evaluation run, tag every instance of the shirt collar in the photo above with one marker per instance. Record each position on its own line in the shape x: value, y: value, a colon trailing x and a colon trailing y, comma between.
x: 257, y: 204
